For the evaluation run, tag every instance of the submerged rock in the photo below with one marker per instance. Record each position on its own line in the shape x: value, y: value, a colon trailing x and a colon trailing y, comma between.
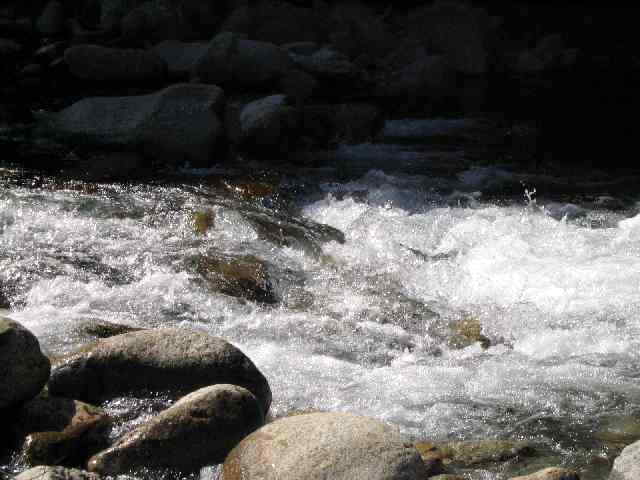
x: 244, y: 277
x: 200, y: 429
x: 552, y: 473
x: 339, y: 446
x: 627, y: 465
x: 103, y: 64
x: 23, y: 368
x: 466, y: 332
x: 174, y: 125
x: 469, y: 454
x: 56, y: 473
x: 174, y: 360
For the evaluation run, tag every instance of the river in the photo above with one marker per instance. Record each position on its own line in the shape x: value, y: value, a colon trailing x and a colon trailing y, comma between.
x: 383, y: 322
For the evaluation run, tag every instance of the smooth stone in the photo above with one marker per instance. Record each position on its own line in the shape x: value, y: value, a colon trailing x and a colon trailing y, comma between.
x: 627, y: 465
x: 471, y: 454
x: 327, y: 64
x: 338, y: 446
x: 56, y: 473
x: 200, y: 429
x: 173, y: 125
x: 24, y: 369
x: 171, y: 359
x: 552, y: 473
x: 104, y: 64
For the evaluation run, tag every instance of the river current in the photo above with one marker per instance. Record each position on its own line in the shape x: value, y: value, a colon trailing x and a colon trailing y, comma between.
x: 362, y: 323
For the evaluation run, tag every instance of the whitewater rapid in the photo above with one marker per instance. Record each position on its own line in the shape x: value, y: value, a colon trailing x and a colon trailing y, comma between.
x: 363, y: 325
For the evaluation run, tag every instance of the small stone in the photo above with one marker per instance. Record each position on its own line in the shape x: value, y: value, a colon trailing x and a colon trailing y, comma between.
x: 200, y: 429
x: 203, y: 221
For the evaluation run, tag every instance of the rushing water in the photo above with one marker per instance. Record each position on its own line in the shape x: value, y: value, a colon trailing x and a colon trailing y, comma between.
x: 363, y: 325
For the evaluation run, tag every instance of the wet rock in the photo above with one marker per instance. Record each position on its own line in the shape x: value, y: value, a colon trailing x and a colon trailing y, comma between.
x: 50, y: 52
x: 174, y: 360
x: 325, y: 445
x: 203, y: 221
x: 104, y: 329
x: 244, y: 277
x: 553, y: 473
x: 31, y: 70
x: 23, y: 368
x: 180, y: 57
x: 174, y: 125
x: 200, y: 429
x: 104, y: 64
x: 627, y: 465
x: 52, y: 20
x: 466, y: 332
x: 457, y: 30
x: 301, y: 48
x: 236, y: 62
x: 153, y: 21
x: 470, y: 454
x: 619, y: 430
x: 56, y: 473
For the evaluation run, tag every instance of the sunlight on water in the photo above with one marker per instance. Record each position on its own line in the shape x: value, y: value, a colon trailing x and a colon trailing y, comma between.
x: 366, y: 326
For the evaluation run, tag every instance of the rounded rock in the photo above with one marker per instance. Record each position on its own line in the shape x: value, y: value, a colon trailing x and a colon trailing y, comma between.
x: 172, y: 359
x: 23, y: 368
x: 200, y: 429
x: 317, y: 446
x: 627, y: 465
x: 56, y: 473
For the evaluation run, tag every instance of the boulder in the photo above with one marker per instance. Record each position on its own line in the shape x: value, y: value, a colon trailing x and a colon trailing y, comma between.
x: 553, y: 473
x: 627, y: 465
x: 327, y: 64
x: 176, y: 124
x: 153, y: 21
x: 233, y: 61
x: 180, y: 57
x: 457, y: 30
x: 23, y: 368
x: 52, y: 20
x: 103, y: 64
x: 200, y: 429
x: 267, y: 123
x: 314, y: 446
x: 170, y: 360
x: 56, y: 473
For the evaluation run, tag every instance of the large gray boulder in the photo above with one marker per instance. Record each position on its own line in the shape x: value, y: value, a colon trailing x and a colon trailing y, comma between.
x: 627, y: 465
x: 234, y: 61
x: 174, y: 125
x: 174, y: 360
x: 200, y: 429
x: 104, y: 64
x: 318, y: 446
x: 23, y: 368
x: 56, y: 473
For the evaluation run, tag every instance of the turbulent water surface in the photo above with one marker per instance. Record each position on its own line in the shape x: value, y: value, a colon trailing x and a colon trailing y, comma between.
x: 367, y: 325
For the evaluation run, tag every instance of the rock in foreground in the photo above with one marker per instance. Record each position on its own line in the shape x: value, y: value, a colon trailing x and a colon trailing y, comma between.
x: 552, y: 473
x: 175, y: 360
x: 317, y: 446
x: 23, y: 368
x: 200, y: 429
x: 174, y: 125
x: 627, y: 465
